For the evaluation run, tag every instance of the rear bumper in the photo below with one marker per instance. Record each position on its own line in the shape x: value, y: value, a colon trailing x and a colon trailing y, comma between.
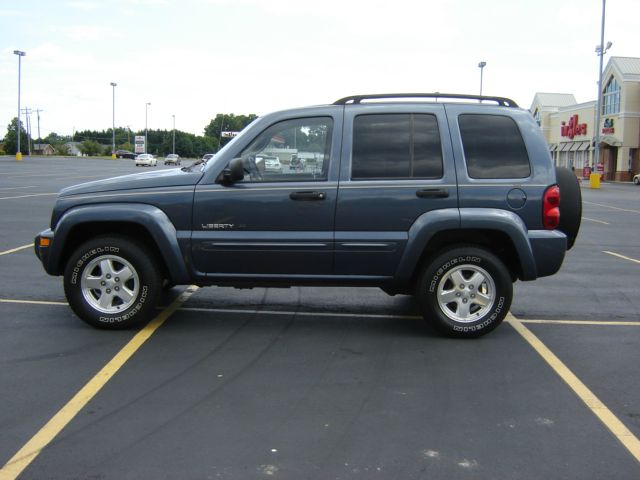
x: 548, y: 248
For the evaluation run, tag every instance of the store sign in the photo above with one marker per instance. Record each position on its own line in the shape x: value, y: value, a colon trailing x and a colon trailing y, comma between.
x: 229, y: 134
x: 139, y: 144
x: 573, y: 128
x: 608, y: 127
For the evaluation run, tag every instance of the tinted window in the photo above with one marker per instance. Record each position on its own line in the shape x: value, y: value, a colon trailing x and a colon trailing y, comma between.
x: 493, y: 147
x: 396, y: 146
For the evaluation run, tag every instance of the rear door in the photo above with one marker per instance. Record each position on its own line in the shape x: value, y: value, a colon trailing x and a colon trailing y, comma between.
x: 279, y: 219
x: 393, y: 171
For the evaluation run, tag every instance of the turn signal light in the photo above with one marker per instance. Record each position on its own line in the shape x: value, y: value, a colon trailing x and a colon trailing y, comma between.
x: 551, y: 208
x: 45, y: 242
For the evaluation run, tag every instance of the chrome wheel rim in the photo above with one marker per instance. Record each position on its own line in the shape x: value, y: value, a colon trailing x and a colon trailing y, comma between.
x: 466, y: 294
x: 110, y: 284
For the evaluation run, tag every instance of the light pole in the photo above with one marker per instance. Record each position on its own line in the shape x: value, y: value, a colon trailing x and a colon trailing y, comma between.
x: 146, y: 131
x: 600, y: 51
x: 481, y: 65
x: 174, y: 133
x: 20, y: 55
x: 113, y: 118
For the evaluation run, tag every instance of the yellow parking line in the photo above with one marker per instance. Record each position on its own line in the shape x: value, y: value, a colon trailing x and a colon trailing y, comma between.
x: 601, y: 323
x: 599, y: 409
x: 621, y: 256
x: 53, y: 427
x: 17, y: 249
x: 31, y: 302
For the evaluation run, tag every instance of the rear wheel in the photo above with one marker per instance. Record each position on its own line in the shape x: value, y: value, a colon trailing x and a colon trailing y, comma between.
x: 111, y: 282
x: 465, y: 292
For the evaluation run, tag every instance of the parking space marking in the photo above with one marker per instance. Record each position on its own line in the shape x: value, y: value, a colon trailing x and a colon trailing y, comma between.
x: 31, y: 302
x: 17, y: 188
x: 601, y: 323
x: 594, y: 220
x: 621, y: 256
x: 53, y: 427
x: 30, y: 195
x: 611, y: 207
x: 17, y: 249
x: 599, y: 409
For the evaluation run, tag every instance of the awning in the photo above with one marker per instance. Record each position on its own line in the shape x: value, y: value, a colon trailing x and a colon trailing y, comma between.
x: 564, y: 147
x: 584, y: 146
x: 553, y: 148
x: 575, y: 146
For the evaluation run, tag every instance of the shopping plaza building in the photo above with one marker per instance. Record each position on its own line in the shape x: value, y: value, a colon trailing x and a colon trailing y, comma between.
x: 570, y: 127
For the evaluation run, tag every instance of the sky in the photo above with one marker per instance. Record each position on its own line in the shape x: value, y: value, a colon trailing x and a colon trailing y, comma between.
x: 197, y: 58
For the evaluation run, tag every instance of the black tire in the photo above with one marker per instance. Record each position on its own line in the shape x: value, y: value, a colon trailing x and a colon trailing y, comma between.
x: 570, y: 204
x: 636, y: 180
x: 468, y: 314
x: 112, y: 282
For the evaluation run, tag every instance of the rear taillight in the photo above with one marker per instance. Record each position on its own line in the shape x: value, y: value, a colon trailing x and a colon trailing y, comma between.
x: 551, y: 208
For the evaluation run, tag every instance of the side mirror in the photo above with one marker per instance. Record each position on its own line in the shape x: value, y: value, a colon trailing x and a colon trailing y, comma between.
x: 234, y: 172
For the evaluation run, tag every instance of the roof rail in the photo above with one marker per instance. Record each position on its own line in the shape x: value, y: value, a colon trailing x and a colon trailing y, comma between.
x: 355, y: 99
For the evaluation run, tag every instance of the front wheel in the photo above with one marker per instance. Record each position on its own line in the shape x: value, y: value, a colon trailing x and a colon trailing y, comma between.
x: 465, y: 292
x: 112, y: 282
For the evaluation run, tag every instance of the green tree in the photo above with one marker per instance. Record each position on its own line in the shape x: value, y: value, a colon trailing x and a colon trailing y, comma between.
x: 90, y: 148
x: 227, y: 122
x: 11, y: 139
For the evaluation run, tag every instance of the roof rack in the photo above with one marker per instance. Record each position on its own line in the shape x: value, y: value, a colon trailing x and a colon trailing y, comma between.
x: 355, y: 99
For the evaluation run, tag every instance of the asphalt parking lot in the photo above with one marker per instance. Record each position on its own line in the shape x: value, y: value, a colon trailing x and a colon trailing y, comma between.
x: 319, y: 382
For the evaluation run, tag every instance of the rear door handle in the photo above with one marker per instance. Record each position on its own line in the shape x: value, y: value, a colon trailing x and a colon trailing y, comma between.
x: 307, y: 196
x: 433, y: 193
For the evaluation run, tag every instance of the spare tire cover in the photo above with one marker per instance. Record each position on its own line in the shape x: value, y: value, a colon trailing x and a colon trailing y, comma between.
x: 570, y: 204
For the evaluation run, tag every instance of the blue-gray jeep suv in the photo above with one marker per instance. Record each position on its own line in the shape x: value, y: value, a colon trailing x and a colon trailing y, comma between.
x: 451, y: 200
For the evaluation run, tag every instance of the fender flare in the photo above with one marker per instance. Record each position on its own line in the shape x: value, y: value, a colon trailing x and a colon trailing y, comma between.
x: 151, y: 218
x: 431, y: 223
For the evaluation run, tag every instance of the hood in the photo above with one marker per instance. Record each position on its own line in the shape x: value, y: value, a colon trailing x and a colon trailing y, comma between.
x: 174, y: 177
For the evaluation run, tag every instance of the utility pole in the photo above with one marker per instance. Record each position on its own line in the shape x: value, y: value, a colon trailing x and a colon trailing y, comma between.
x: 27, y: 113
x: 38, y: 113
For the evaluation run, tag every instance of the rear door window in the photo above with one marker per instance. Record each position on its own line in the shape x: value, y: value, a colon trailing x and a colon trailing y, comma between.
x: 493, y: 147
x: 396, y: 146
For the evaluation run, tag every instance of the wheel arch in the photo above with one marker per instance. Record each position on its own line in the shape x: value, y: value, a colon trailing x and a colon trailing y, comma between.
x: 145, y: 224
x: 499, y: 231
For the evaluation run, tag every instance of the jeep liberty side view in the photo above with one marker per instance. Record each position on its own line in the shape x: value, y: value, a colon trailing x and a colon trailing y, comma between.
x: 450, y: 198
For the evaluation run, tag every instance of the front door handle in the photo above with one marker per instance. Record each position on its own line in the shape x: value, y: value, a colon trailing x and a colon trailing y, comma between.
x: 433, y: 193
x: 308, y: 195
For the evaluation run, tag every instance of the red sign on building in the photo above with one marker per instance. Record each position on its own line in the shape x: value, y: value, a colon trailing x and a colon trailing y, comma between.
x: 573, y: 128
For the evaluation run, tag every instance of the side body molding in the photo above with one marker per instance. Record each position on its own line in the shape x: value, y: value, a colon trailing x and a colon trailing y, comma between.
x: 151, y: 218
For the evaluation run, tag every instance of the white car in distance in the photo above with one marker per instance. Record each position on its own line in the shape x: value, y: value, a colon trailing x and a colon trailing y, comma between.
x: 146, y: 160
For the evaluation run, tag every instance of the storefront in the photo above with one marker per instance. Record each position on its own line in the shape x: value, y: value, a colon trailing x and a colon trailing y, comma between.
x: 570, y: 129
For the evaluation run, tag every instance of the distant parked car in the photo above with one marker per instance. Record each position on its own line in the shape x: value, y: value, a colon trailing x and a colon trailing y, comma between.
x: 124, y: 154
x: 172, y: 159
x: 146, y: 160
x: 271, y: 163
x: 636, y: 179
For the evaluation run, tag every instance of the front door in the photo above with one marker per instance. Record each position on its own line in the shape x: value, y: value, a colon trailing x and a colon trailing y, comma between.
x: 279, y: 219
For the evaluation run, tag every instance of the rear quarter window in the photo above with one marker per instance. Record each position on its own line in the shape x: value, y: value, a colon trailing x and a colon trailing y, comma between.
x: 493, y: 147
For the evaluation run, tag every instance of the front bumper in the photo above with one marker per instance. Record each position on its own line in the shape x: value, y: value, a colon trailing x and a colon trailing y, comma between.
x: 42, y: 247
